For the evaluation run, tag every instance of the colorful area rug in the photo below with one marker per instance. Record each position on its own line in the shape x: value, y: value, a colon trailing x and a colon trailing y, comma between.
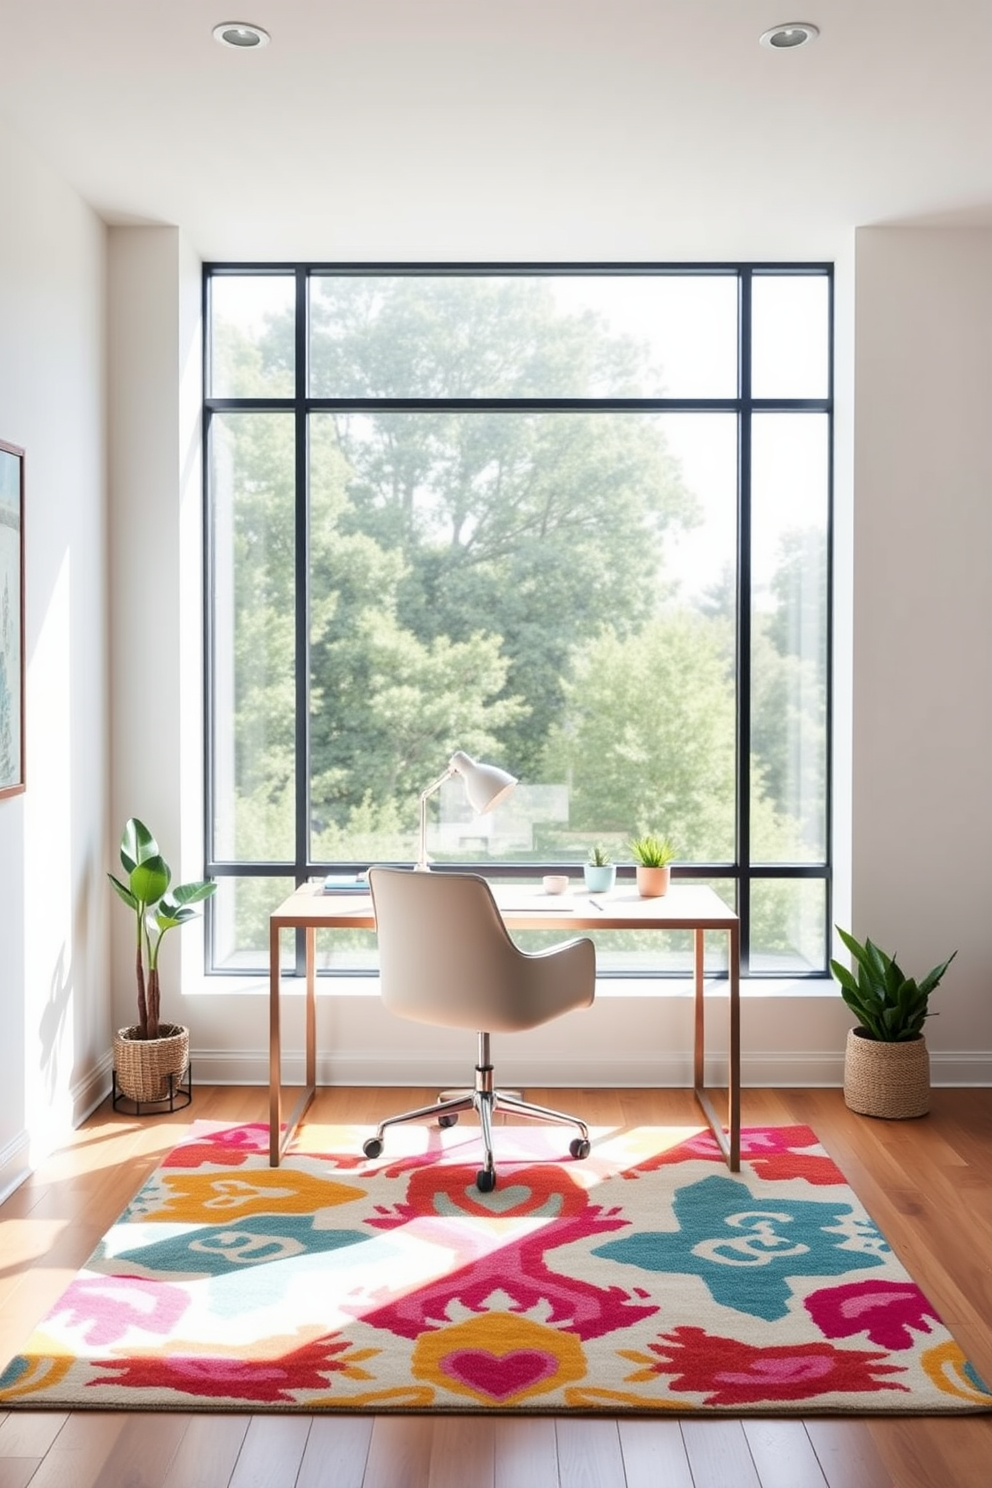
x: 647, y: 1279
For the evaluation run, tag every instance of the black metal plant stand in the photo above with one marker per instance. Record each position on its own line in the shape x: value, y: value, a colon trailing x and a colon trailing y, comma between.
x: 179, y: 1096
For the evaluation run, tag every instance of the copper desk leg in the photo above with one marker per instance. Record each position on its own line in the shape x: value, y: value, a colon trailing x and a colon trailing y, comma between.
x: 280, y: 1135
x: 729, y: 1141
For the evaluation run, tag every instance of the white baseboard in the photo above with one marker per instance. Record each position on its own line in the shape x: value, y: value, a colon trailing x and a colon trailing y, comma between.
x: 22, y: 1155
x: 964, y: 1067
x: 92, y: 1089
x: 775, y: 1070
x: 15, y: 1164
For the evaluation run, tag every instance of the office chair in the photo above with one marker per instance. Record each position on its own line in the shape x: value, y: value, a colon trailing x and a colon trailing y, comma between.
x: 445, y: 958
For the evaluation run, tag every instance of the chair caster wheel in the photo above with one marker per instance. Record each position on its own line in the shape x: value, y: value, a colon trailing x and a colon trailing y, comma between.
x: 449, y: 1120
x: 372, y: 1146
x: 485, y: 1180
x: 579, y: 1147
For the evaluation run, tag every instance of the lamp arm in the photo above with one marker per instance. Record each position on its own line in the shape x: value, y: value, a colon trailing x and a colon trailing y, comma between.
x: 437, y: 784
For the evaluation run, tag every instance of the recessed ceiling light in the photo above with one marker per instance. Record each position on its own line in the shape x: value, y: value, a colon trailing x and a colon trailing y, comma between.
x: 240, y: 34
x: 792, y: 34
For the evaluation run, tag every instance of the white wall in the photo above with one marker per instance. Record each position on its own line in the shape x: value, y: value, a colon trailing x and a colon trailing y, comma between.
x: 155, y: 561
x: 923, y: 616
x: 54, y: 1053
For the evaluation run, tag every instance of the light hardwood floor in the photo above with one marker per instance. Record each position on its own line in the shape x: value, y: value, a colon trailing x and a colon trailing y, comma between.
x: 928, y: 1184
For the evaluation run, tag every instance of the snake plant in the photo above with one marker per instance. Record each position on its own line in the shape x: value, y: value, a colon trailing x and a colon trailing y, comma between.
x: 890, y: 1006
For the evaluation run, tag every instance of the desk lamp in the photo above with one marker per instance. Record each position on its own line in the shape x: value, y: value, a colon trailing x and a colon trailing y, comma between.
x: 485, y: 786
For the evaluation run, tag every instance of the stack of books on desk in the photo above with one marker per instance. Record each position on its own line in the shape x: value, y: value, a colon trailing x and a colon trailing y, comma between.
x: 346, y: 883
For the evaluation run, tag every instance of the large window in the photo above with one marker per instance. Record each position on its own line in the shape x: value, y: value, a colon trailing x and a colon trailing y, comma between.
x: 573, y: 521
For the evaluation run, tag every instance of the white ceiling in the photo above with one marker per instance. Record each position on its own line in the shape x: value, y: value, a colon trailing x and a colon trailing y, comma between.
x: 505, y: 129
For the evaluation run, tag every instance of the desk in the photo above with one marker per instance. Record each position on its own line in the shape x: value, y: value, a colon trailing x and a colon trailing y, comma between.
x: 684, y: 907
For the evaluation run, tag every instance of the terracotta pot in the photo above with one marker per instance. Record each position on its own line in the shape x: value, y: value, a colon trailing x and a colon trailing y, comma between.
x: 143, y: 1066
x: 887, y: 1080
x: 652, y: 883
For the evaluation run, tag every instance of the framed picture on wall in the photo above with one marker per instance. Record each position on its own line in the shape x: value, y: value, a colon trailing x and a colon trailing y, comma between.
x: 11, y: 619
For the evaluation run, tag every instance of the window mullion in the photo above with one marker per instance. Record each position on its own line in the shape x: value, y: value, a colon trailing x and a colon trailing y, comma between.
x: 744, y: 627
x: 302, y: 602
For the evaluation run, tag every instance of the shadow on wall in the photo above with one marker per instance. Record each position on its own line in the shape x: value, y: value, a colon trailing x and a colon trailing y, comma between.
x: 55, y: 1023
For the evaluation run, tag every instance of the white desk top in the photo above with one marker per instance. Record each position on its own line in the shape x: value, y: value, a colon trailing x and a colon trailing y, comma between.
x: 526, y: 906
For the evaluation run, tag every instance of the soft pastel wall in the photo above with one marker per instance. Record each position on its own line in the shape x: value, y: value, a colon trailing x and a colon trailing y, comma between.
x: 922, y: 694
x: 53, y: 923
x: 156, y: 634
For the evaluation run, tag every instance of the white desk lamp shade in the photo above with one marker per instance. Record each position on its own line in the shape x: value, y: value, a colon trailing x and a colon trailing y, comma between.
x: 485, y: 786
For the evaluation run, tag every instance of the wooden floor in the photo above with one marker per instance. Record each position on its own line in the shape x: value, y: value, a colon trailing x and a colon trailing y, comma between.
x: 928, y: 1184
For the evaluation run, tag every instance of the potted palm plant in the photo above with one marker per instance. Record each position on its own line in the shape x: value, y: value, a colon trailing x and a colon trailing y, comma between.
x: 150, y: 1056
x: 653, y: 856
x: 886, y: 1063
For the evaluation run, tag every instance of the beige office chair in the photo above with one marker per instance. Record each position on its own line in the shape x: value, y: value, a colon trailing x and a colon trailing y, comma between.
x: 445, y: 958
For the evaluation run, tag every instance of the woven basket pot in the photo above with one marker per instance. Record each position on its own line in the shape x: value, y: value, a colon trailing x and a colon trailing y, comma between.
x: 888, y: 1080
x: 143, y: 1066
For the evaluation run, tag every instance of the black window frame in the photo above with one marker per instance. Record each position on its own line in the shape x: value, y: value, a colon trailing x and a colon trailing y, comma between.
x: 742, y: 871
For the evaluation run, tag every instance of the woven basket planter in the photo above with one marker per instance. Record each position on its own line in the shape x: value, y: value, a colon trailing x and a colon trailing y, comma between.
x: 888, y: 1080
x: 143, y: 1066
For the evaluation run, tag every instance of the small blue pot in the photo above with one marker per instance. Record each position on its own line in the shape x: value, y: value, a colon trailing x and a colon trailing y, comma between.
x: 599, y: 880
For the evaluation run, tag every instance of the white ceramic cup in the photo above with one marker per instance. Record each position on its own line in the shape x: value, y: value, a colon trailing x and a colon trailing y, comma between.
x: 555, y: 883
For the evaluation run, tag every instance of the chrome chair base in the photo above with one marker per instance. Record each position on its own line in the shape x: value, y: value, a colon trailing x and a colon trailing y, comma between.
x: 486, y: 1100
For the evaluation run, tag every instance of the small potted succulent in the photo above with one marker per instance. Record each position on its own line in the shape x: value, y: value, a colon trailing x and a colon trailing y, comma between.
x: 653, y: 856
x: 151, y: 1056
x: 600, y: 871
x: 886, y: 1063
